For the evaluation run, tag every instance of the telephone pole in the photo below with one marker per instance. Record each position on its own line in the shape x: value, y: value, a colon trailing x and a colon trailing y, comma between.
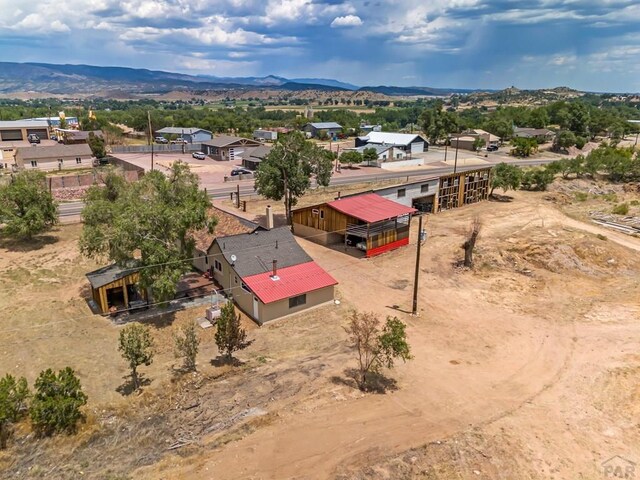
x: 455, y: 162
x: 414, y: 310
x: 150, y: 137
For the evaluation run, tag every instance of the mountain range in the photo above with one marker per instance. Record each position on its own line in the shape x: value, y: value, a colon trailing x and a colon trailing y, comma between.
x: 89, y: 79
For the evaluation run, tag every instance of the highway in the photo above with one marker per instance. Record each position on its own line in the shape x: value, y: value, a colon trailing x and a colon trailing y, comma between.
x: 70, y: 209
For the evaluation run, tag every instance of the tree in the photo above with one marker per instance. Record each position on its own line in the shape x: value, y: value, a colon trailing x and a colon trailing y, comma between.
x: 13, y: 404
x: 26, y: 206
x: 56, y: 402
x: 537, y: 178
x: 230, y: 336
x: 505, y: 176
x: 351, y: 157
x: 523, y: 147
x: 186, y: 345
x: 147, y: 224
x: 285, y: 172
x: 438, y: 123
x: 370, y: 155
x: 579, y: 118
x: 564, y: 139
x: 470, y: 243
x: 136, y: 347
x: 538, y: 118
x: 96, y: 144
x: 376, y: 348
x: 478, y: 143
x: 580, y: 142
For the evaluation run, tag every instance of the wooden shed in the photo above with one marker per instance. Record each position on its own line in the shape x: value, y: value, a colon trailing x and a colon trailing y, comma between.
x: 369, y: 222
x: 463, y: 188
x: 115, y: 288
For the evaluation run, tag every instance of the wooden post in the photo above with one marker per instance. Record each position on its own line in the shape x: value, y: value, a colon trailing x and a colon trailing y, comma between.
x: 414, y: 310
x: 238, y: 195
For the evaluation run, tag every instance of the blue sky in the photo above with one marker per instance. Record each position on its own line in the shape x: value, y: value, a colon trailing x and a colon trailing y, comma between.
x: 585, y: 44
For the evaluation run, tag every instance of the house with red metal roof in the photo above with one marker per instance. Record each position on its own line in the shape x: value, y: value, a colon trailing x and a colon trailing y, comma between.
x: 267, y: 274
x: 369, y: 222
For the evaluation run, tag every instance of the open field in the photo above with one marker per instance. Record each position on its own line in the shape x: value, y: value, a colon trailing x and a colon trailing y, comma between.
x: 525, y: 367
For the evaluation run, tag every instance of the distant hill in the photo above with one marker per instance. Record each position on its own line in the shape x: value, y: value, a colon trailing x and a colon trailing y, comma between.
x: 326, y: 82
x: 412, y: 91
x: 294, y: 86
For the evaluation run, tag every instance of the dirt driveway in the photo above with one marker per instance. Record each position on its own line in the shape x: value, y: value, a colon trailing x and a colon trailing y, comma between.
x: 488, y: 345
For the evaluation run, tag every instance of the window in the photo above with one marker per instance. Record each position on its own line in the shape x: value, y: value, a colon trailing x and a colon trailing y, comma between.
x: 78, y: 160
x: 245, y: 287
x: 34, y: 163
x: 424, y: 188
x: 402, y: 192
x: 297, y: 301
x: 206, y: 260
x: 398, y: 156
x: 218, y: 266
x: 321, y: 214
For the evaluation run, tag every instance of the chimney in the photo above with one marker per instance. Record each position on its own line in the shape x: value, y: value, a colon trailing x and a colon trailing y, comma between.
x: 274, y: 275
x: 269, y: 217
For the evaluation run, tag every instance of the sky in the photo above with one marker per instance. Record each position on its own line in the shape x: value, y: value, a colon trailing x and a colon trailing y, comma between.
x: 584, y: 44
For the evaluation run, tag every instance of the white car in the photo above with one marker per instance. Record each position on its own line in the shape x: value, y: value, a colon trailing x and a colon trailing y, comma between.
x: 179, y: 141
x: 198, y: 155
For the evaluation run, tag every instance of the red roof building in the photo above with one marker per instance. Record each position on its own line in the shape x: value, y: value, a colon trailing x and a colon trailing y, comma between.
x: 289, y: 282
x: 370, y: 208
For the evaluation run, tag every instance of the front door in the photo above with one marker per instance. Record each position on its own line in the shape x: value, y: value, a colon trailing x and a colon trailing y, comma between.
x: 255, y: 309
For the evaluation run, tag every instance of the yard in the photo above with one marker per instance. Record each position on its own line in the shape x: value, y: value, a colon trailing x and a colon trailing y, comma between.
x: 525, y: 367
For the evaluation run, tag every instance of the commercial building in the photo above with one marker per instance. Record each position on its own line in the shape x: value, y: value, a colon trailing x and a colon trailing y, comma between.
x: 19, y: 130
x: 315, y: 130
x: 228, y: 148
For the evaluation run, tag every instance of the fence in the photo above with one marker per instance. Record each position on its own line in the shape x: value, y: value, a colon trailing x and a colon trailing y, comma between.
x: 157, y: 148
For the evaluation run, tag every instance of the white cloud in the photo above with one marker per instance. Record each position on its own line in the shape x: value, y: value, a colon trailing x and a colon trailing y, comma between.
x: 347, y: 21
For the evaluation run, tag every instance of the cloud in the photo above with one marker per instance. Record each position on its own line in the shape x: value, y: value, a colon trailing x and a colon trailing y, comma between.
x: 347, y: 21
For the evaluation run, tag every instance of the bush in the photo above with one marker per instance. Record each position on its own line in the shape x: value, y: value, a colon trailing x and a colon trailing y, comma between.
x: 13, y: 404
x: 621, y: 209
x: 580, y: 142
x: 186, y: 345
x: 634, y: 203
x: 581, y: 196
x: 56, y: 402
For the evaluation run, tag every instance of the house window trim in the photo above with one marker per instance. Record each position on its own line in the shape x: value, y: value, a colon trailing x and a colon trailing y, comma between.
x: 34, y: 164
x: 424, y: 188
x: 217, y: 266
x: 401, y: 193
x: 78, y: 161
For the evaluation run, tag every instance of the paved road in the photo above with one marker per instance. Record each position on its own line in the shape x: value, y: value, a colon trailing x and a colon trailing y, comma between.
x: 218, y: 191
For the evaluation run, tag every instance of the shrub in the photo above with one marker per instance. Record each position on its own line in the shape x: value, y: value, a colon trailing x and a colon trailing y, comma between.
x: 186, y: 345
x: 56, y: 402
x: 621, y: 209
x: 136, y: 347
x: 13, y: 404
x: 580, y: 142
x: 581, y: 196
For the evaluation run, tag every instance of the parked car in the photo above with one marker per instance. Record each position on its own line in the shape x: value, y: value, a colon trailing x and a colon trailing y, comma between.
x: 179, y: 141
x: 161, y: 140
x: 198, y: 155
x: 33, y: 138
x: 54, y: 138
x: 240, y: 171
x: 492, y: 148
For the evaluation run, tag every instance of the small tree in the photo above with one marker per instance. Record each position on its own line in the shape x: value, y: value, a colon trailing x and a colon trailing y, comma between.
x: 563, y: 140
x: 13, y: 404
x: 351, y: 157
x: 136, y: 347
x: 96, y: 144
x: 470, y: 242
x: 56, y: 402
x: 478, y: 143
x: 186, y: 345
x: 376, y: 348
x: 523, y: 147
x: 369, y: 155
x: 230, y: 336
x: 26, y: 206
x: 505, y: 176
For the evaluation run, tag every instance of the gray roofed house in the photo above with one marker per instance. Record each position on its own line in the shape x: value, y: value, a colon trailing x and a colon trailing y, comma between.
x: 191, y: 134
x: 55, y: 157
x: 227, y: 147
x: 255, y: 156
x: 330, y: 128
x: 255, y: 252
x: 540, y: 134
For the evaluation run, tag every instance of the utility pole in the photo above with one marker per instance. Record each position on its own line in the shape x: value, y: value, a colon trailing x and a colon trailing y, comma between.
x: 455, y: 163
x: 445, y: 149
x: 150, y: 137
x: 182, y: 141
x: 414, y: 310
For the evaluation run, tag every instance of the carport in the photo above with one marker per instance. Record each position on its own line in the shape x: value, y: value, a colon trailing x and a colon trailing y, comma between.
x: 115, y: 288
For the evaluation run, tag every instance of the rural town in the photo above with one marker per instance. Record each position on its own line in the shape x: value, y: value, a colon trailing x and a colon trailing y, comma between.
x: 213, y: 271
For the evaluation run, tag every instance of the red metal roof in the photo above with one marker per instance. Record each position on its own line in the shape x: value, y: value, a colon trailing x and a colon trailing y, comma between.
x: 292, y: 281
x: 370, y: 207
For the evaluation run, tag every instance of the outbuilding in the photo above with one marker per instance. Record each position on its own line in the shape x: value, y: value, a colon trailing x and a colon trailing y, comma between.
x: 116, y: 288
x: 315, y: 129
x: 19, y: 130
x: 370, y: 222
x: 228, y: 148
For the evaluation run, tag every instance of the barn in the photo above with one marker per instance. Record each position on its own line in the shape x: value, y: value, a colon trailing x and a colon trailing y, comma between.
x: 371, y: 223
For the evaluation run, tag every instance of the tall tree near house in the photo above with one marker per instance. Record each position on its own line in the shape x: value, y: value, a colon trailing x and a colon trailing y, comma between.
x: 478, y: 143
x: 376, y: 348
x: 230, y: 336
x: 96, y: 144
x: 351, y: 157
x: 147, y: 224
x: 26, y: 206
x: 287, y: 170
x: 13, y: 404
x: 369, y: 155
x: 505, y: 176
x: 137, y: 348
x: 470, y: 243
x: 438, y: 123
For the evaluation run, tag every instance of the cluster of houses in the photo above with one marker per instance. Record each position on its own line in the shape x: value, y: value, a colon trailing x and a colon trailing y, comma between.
x: 267, y: 274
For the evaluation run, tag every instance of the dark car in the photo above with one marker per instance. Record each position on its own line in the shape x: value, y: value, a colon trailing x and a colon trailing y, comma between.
x: 492, y: 148
x: 33, y: 138
x: 240, y: 171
